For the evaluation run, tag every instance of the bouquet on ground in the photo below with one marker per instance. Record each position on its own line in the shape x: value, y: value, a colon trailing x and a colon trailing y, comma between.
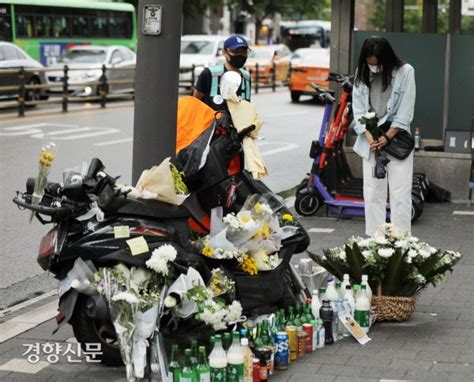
x: 252, y: 237
x: 396, y: 263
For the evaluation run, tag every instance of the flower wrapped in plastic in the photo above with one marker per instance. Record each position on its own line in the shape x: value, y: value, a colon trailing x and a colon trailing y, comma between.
x: 395, y: 261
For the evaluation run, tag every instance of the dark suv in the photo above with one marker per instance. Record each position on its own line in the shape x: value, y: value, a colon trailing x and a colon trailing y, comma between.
x: 13, y: 57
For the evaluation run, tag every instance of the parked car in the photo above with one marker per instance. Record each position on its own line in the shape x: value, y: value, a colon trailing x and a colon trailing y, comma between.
x: 313, y: 69
x: 201, y: 51
x: 300, y: 53
x: 266, y: 56
x: 85, y: 69
x: 13, y: 57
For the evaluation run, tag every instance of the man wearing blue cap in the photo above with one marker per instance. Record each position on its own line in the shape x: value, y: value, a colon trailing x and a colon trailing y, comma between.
x: 207, y: 85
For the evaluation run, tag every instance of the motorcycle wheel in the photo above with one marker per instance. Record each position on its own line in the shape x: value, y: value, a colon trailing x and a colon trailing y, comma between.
x: 88, y: 330
x: 308, y: 204
x: 416, y: 208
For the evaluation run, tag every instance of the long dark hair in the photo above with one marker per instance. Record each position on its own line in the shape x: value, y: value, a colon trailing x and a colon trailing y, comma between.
x: 380, y: 48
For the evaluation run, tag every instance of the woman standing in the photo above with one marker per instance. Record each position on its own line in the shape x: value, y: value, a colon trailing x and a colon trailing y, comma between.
x: 384, y: 84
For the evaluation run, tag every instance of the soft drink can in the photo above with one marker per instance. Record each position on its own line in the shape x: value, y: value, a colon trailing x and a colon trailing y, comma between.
x: 308, y: 328
x: 302, y: 335
x: 282, y: 351
x: 256, y: 370
x: 292, y: 342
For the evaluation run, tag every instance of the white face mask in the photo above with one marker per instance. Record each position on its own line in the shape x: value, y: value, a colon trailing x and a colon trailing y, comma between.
x: 375, y: 68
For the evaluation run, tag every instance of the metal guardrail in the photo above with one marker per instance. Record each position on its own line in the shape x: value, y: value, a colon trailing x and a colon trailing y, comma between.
x: 22, y: 88
x: 262, y: 77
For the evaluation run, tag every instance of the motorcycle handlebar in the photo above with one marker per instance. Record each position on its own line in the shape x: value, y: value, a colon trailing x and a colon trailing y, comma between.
x: 245, y: 132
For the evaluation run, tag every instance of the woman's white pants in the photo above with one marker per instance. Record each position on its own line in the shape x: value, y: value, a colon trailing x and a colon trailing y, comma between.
x: 399, y: 176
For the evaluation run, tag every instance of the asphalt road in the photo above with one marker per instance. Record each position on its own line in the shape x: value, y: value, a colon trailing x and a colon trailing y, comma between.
x: 107, y: 134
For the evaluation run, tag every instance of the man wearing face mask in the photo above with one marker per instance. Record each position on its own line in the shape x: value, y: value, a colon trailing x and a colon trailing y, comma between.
x: 207, y: 85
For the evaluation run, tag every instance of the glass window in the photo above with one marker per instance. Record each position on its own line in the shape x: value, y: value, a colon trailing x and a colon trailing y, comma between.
x: 24, y: 25
x: 116, y: 57
x: 99, y: 24
x: 5, y: 24
x: 197, y: 47
x: 43, y: 26
x: 80, y: 26
x: 83, y: 56
x: 127, y: 54
x: 10, y: 53
x: 60, y: 26
x: 120, y: 25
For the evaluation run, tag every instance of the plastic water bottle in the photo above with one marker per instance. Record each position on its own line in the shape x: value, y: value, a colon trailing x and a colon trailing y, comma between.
x: 417, y: 139
x: 218, y: 360
x: 365, y: 281
x: 345, y: 281
x: 315, y: 304
x: 362, y: 310
x: 340, y: 326
x: 235, y: 360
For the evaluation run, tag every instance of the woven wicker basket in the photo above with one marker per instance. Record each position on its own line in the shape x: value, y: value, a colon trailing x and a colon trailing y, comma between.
x: 392, y: 308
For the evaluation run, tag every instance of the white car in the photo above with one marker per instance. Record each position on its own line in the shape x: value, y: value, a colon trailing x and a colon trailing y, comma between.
x: 85, y: 67
x: 301, y: 53
x: 201, y: 51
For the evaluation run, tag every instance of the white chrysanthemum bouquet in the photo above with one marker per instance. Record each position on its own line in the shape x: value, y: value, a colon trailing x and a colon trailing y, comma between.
x: 395, y: 261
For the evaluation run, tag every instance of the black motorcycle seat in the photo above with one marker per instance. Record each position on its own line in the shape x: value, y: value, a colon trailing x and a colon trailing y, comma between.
x: 149, y: 208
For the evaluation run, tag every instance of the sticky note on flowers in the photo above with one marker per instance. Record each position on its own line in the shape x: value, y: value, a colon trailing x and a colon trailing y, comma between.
x: 138, y: 245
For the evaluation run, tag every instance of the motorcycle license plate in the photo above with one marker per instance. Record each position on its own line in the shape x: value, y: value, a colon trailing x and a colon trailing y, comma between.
x: 64, y: 286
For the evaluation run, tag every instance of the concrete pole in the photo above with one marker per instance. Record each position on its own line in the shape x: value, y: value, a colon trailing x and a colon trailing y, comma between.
x: 394, y: 10
x: 342, y: 26
x: 156, y: 83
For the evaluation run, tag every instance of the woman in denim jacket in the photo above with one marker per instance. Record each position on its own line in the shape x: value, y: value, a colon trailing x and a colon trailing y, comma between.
x: 385, y: 85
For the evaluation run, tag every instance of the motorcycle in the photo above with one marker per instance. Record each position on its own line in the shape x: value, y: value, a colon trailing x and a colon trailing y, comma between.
x: 79, y: 231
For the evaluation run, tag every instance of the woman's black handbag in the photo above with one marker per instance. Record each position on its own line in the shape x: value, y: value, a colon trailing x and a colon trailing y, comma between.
x: 401, y: 145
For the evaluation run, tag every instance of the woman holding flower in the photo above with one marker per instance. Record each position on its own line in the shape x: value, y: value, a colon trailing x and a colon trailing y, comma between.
x: 385, y: 86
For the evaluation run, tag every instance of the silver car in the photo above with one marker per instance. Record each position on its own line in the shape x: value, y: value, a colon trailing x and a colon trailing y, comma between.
x: 13, y: 57
x: 85, y: 68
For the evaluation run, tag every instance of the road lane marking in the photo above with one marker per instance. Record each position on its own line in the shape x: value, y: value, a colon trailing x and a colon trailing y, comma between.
x: 19, y: 365
x: 463, y: 212
x: 59, y: 115
x: 67, y: 132
x: 24, y: 304
x: 321, y: 230
x: 124, y: 140
x: 287, y: 147
x: 27, y: 321
x: 290, y: 114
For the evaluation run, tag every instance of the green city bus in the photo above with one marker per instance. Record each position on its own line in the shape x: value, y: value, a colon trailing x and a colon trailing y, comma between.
x: 46, y: 28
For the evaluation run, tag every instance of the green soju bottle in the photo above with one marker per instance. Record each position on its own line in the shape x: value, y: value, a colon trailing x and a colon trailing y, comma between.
x: 203, y: 370
x: 175, y: 367
x: 194, y: 353
x: 226, y: 341
x: 188, y: 374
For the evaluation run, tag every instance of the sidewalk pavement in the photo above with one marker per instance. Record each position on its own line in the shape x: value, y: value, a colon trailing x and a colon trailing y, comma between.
x: 436, y: 344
